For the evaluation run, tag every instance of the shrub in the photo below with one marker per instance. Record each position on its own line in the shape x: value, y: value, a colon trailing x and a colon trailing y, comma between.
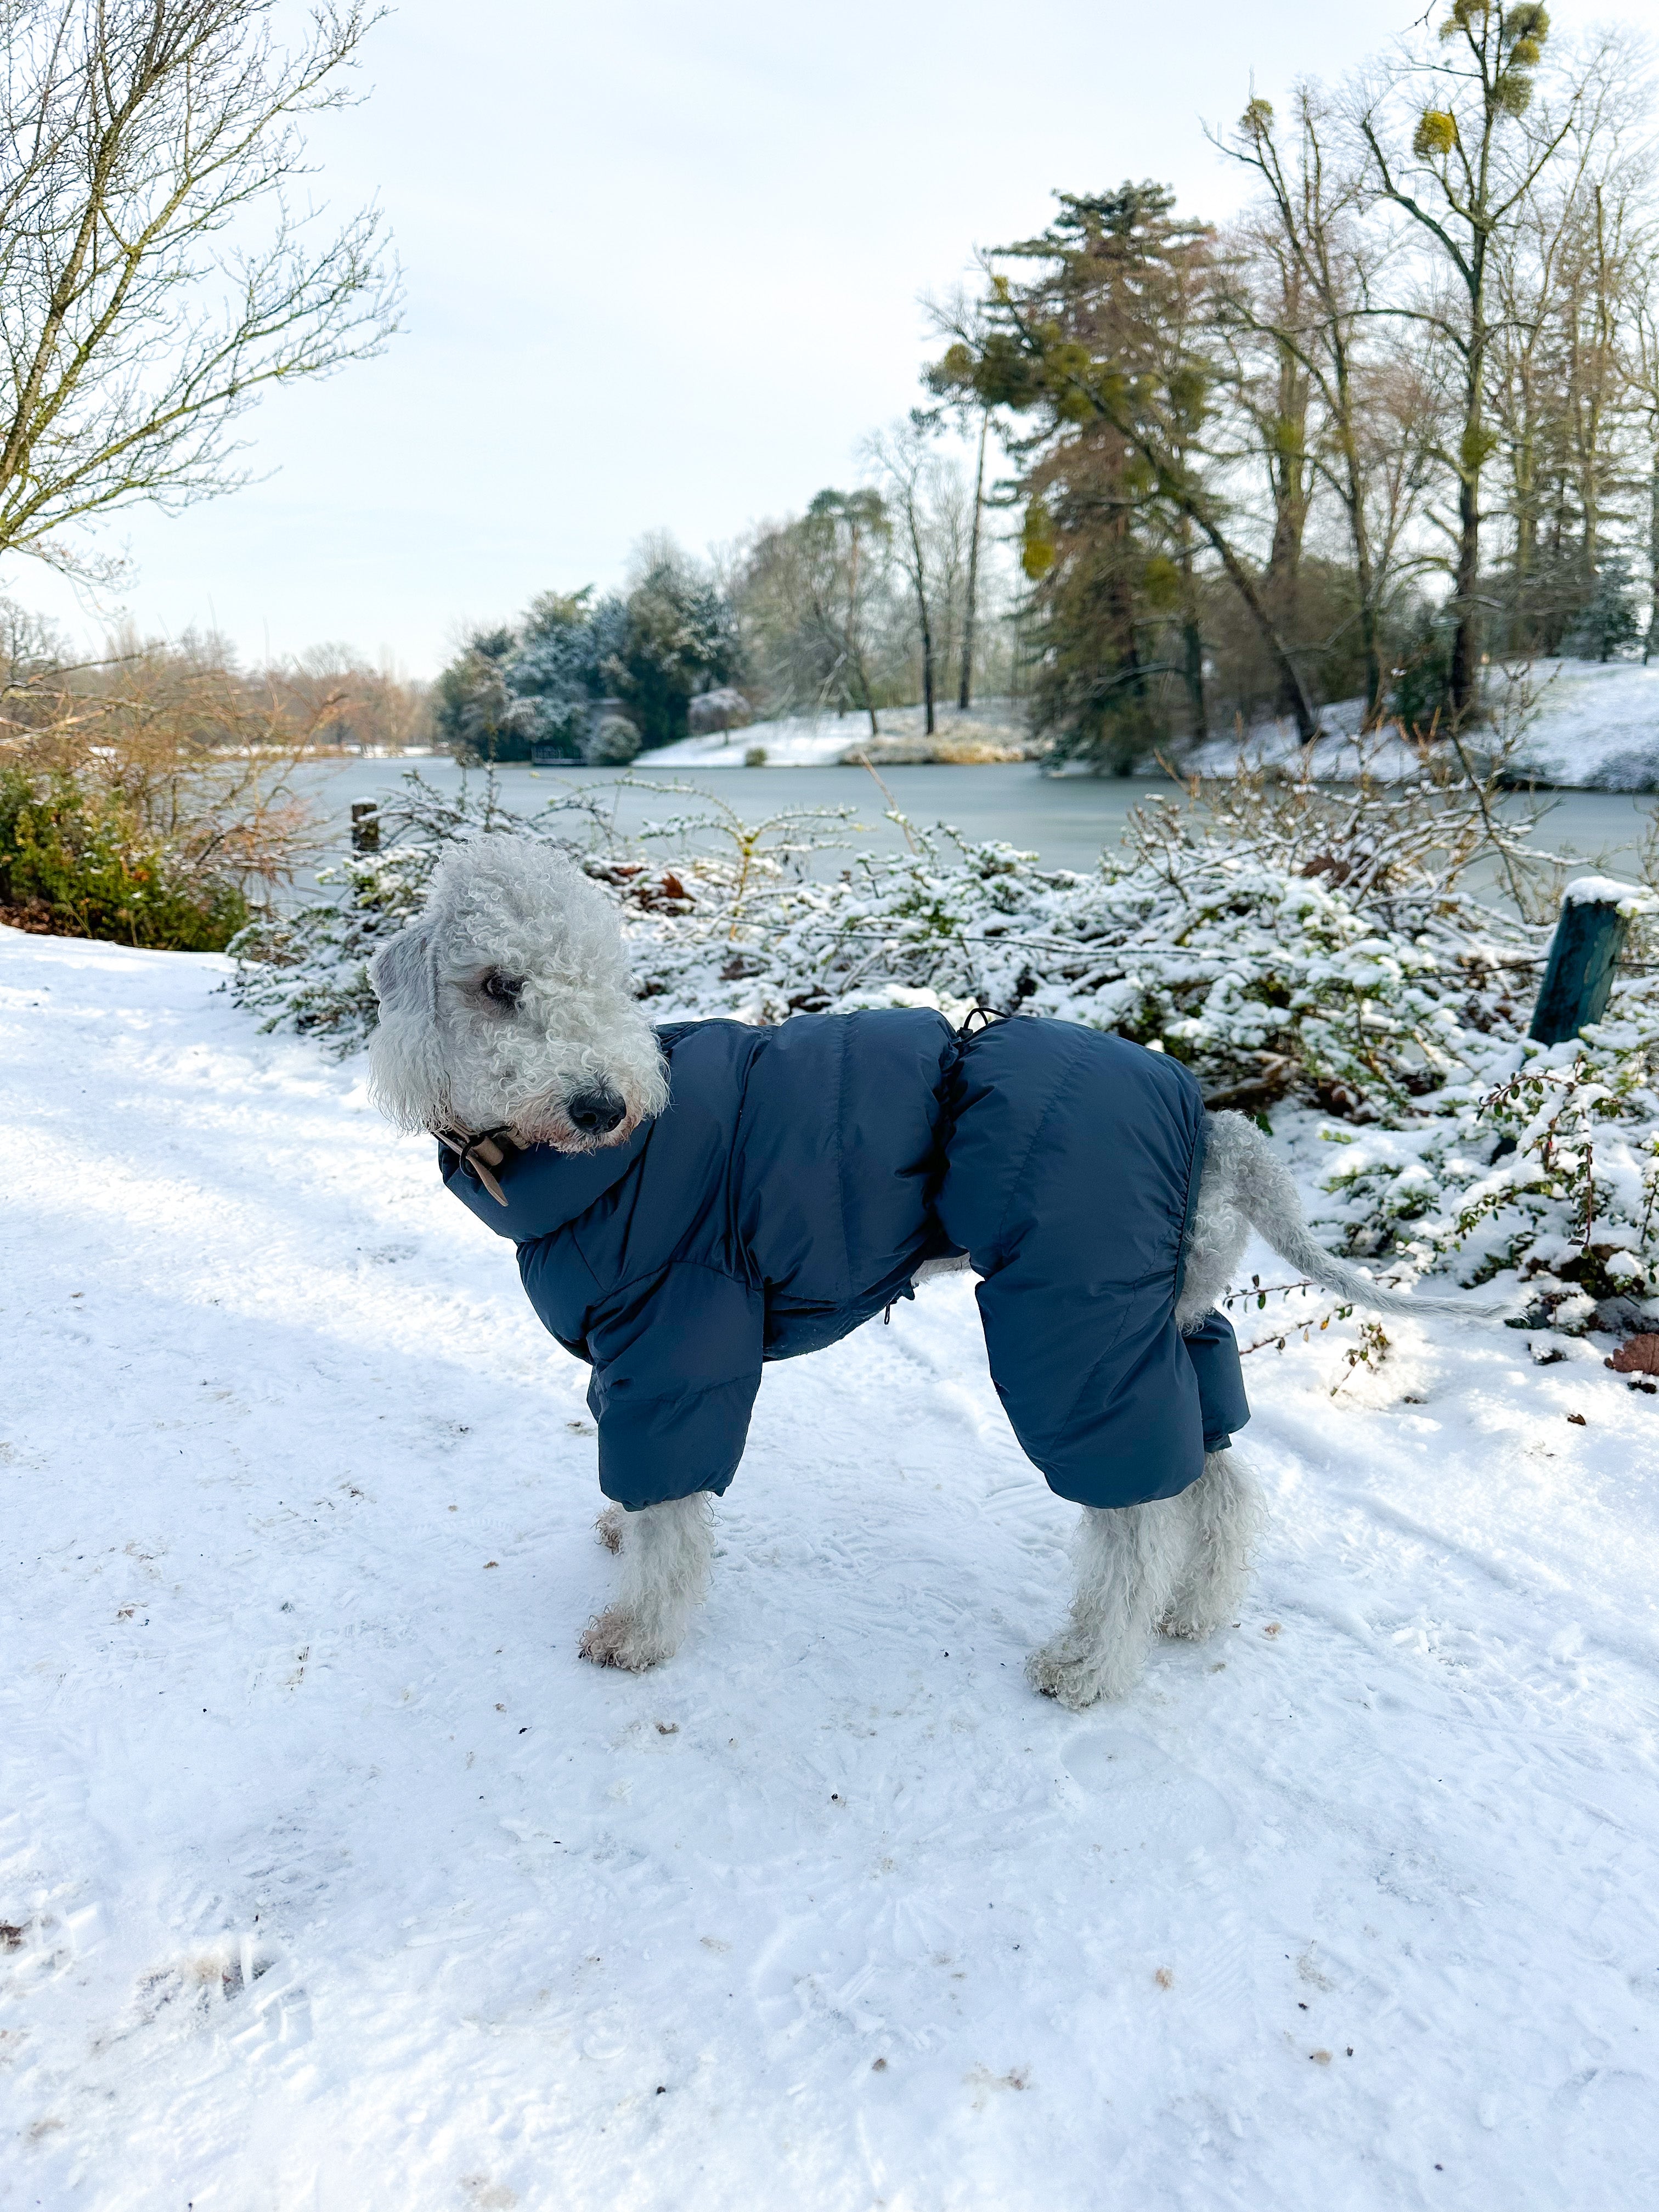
x: 72, y: 863
x: 614, y: 743
x: 722, y: 709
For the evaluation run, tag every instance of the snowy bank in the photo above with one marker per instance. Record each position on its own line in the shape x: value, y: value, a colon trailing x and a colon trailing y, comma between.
x: 318, y: 1894
x: 993, y: 730
x: 1589, y: 725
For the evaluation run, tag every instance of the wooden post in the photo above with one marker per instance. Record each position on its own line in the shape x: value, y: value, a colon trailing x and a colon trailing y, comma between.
x: 365, y: 826
x: 1584, y: 953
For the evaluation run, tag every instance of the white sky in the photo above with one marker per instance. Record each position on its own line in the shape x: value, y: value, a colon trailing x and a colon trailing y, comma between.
x: 663, y: 265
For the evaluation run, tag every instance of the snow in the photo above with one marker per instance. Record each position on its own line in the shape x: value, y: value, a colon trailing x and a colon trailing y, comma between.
x: 790, y: 741
x: 1587, y: 724
x: 1608, y: 890
x: 340, y: 1883
x: 825, y: 740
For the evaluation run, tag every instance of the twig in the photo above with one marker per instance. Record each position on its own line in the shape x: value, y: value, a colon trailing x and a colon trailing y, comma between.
x: 865, y: 761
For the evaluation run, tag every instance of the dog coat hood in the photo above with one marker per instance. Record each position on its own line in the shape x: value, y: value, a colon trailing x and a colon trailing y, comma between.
x: 800, y: 1175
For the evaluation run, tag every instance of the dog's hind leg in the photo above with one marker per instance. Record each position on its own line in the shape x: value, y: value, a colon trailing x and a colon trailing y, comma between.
x: 609, y: 1526
x: 1226, y: 1513
x: 665, y: 1551
x: 1129, y: 1560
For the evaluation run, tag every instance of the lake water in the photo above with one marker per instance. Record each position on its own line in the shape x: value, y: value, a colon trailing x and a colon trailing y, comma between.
x: 1067, y: 819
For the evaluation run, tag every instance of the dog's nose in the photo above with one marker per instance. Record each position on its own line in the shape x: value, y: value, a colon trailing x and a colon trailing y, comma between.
x: 596, y: 1112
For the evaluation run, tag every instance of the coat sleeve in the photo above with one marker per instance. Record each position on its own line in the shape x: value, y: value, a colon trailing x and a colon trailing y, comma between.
x: 676, y: 1362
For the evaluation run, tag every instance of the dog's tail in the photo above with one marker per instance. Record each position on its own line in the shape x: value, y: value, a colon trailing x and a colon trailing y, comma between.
x: 1264, y: 1194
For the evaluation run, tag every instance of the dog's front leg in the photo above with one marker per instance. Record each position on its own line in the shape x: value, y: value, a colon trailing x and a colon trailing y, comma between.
x: 1129, y: 1561
x: 665, y: 1551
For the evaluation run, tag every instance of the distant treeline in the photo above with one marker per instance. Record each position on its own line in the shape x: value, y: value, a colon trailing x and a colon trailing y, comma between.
x: 1399, y: 418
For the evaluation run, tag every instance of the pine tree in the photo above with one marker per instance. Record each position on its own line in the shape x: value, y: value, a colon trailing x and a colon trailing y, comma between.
x: 1102, y: 348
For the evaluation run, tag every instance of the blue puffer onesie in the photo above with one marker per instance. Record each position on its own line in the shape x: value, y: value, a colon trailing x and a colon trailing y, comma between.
x: 799, y: 1177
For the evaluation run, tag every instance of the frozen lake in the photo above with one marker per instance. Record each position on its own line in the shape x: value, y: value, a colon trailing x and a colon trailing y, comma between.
x: 1067, y: 819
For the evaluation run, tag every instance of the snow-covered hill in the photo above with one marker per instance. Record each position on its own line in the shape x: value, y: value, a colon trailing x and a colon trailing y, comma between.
x: 331, y: 1879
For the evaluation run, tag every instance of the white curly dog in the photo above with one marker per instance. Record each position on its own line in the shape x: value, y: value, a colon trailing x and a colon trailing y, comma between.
x: 508, y: 1007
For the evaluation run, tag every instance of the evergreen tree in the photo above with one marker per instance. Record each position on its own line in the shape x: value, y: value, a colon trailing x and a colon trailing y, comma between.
x: 1610, y: 625
x: 560, y: 666
x: 474, y: 711
x: 679, y: 638
x: 543, y: 685
x: 1101, y: 347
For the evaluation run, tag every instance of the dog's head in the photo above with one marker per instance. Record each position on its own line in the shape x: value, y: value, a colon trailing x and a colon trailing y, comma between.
x: 508, y: 1005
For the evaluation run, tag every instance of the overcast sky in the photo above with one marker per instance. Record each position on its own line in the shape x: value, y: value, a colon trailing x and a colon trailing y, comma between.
x: 663, y: 268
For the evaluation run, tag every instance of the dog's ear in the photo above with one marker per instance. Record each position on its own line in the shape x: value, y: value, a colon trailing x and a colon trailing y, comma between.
x: 405, y: 1078
x: 404, y: 975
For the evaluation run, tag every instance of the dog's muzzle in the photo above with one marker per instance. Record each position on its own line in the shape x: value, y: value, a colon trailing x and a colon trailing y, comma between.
x: 597, y: 1112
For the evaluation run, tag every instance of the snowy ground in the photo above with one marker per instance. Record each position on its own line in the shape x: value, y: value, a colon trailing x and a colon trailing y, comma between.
x: 332, y: 1879
x: 1593, y: 726
x: 1588, y: 725
x: 823, y: 741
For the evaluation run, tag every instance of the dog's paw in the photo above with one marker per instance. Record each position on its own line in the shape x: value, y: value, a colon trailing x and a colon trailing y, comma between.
x: 1194, y: 1622
x: 615, y: 1639
x: 609, y: 1528
x: 1077, y: 1678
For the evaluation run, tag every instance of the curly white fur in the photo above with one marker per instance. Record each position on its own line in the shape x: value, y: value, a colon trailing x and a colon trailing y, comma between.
x: 1180, y: 1567
x: 509, y: 998
x: 1245, y: 1186
x: 665, y: 1551
x: 508, y: 1005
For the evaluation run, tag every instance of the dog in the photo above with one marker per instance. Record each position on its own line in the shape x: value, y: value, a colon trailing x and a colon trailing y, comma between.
x: 738, y: 1194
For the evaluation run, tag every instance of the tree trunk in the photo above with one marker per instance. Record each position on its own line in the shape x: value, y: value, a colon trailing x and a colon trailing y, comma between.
x: 1192, y: 639
x: 965, y: 692
x: 853, y: 645
x: 1365, y: 585
x: 1288, y: 473
x: 1175, y: 487
x: 1526, y: 530
x: 1466, y: 641
x: 919, y: 577
x: 1651, y: 643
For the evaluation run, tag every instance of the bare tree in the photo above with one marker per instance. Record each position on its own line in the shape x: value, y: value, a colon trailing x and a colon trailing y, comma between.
x: 1567, y: 283
x: 144, y: 304
x: 1456, y: 146
x: 1314, y: 301
x: 922, y: 495
x: 970, y: 610
x: 813, y: 600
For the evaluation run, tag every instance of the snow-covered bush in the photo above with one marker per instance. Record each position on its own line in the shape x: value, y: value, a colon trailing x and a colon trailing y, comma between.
x: 722, y: 709
x: 1545, y: 1161
x: 1287, y: 943
x: 614, y: 742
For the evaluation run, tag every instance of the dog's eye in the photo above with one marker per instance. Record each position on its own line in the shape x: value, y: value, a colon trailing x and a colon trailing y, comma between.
x: 504, y: 989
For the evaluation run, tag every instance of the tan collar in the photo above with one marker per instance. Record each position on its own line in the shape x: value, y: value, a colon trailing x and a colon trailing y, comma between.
x: 489, y: 1149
